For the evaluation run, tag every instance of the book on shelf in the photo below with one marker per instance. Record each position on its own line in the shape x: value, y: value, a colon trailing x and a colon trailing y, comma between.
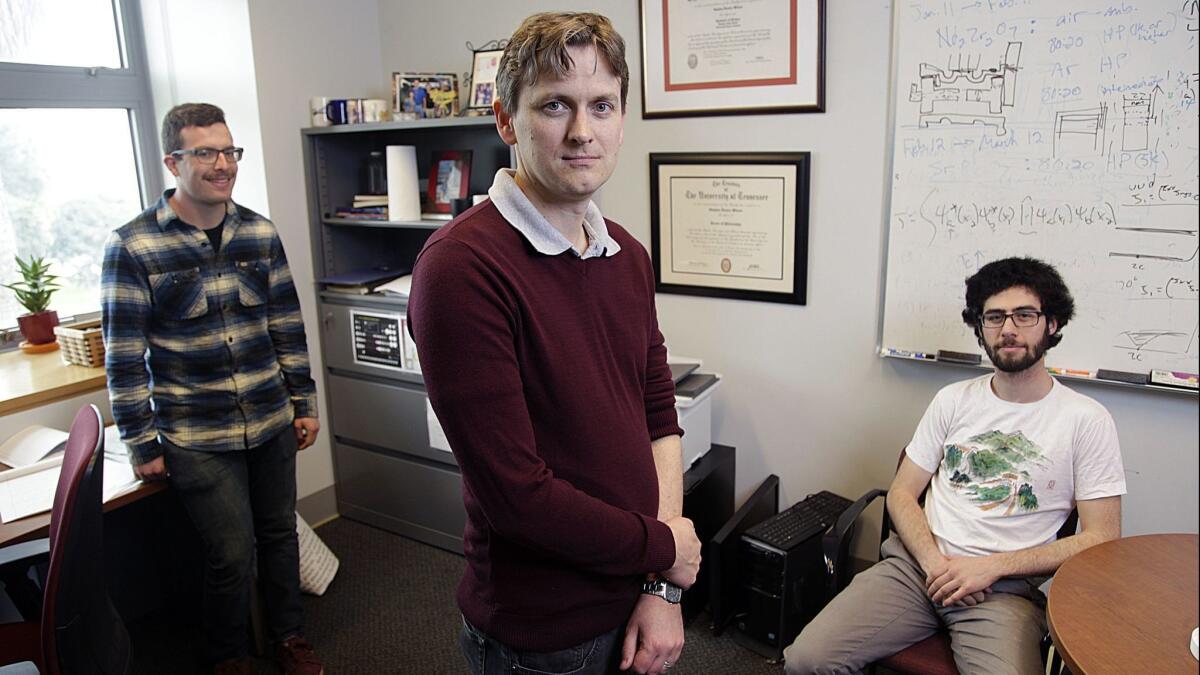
x: 346, y: 215
x: 349, y: 289
x: 370, y: 200
x: 362, y: 282
x: 362, y: 212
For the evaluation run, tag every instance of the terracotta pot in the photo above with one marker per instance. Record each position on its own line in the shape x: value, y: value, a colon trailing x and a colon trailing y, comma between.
x: 38, y: 328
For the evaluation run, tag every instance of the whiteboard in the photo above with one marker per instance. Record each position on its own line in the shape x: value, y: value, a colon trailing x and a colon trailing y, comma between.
x: 1062, y: 130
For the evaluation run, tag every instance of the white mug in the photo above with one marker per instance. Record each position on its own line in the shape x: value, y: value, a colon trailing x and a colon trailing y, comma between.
x: 316, y: 111
x: 376, y: 110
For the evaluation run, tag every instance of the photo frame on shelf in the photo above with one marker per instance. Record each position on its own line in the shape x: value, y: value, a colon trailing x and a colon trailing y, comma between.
x: 449, y: 178
x: 731, y: 225
x: 424, y: 95
x: 737, y: 59
x: 484, y: 65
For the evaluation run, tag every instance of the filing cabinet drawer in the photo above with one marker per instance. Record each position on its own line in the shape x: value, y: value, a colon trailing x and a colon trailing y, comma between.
x: 337, y: 339
x: 384, y: 415
x: 413, y: 498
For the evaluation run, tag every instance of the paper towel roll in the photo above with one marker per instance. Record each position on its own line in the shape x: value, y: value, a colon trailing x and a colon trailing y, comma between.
x: 403, y: 192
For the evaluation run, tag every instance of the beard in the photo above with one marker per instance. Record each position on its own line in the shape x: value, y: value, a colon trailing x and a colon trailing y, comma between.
x: 1019, y: 362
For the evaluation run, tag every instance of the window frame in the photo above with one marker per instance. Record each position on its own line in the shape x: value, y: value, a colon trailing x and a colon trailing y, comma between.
x: 27, y: 85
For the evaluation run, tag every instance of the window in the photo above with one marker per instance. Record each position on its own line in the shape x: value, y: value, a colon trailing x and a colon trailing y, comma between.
x: 76, y: 135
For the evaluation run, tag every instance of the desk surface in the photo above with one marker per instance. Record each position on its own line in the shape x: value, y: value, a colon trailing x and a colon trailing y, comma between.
x: 1127, y: 606
x: 29, y: 380
x: 36, y: 527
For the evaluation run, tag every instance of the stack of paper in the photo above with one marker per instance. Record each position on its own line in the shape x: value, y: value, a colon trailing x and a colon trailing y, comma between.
x: 399, y: 287
x: 28, y: 489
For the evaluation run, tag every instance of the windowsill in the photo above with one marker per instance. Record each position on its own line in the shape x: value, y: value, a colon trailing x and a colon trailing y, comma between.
x: 30, y: 380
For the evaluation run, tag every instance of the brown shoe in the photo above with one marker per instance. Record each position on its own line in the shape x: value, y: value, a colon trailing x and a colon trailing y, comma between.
x: 235, y: 666
x: 297, y: 657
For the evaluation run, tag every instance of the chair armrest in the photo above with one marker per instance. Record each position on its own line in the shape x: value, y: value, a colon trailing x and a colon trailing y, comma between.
x: 836, y: 543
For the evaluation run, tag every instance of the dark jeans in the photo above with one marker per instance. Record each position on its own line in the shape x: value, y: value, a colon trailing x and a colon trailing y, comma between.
x: 486, y: 656
x: 240, y: 502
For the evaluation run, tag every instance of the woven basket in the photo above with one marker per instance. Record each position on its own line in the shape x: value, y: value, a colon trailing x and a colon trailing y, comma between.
x: 82, y: 343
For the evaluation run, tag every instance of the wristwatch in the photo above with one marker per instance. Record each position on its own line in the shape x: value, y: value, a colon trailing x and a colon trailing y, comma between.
x: 663, y: 589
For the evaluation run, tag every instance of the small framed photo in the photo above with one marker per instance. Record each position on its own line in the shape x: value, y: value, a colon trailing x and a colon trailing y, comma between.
x: 449, y: 178
x: 424, y: 95
x: 483, y: 79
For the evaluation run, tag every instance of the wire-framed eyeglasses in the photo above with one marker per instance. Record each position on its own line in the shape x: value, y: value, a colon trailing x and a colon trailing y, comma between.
x: 209, y: 155
x: 1022, y: 318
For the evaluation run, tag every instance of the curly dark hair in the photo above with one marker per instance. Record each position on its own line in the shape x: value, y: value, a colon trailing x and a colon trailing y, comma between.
x: 187, y: 115
x: 1040, y: 278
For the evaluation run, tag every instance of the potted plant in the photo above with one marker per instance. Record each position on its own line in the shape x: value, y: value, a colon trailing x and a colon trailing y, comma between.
x: 33, y: 292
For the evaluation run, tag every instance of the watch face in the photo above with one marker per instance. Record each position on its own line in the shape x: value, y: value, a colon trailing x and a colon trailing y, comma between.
x: 674, y: 593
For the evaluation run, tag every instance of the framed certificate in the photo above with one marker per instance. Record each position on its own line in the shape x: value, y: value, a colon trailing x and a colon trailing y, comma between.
x: 731, y: 225
x: 732, y: 57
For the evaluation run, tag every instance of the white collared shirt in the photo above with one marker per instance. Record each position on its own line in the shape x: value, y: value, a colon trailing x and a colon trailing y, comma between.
x: 516, y: 208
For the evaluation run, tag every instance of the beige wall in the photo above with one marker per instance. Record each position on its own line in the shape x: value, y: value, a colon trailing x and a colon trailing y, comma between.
x: 307, y: 48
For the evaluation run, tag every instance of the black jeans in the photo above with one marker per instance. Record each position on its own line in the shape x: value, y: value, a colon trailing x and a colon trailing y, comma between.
x: 486, y: 656
x: 241, y: 502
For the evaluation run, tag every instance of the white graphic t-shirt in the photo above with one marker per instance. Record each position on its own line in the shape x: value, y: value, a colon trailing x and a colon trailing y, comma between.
x: 1006, y: 475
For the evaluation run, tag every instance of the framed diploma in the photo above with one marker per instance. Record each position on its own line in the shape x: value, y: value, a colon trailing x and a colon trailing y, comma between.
x: 732, y: 57
x: 731, y: 225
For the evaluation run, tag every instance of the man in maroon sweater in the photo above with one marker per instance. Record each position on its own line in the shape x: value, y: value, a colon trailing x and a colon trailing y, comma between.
x: 534, y: 318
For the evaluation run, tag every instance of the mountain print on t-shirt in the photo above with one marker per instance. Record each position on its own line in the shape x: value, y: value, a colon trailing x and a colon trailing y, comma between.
x: 994, y: 469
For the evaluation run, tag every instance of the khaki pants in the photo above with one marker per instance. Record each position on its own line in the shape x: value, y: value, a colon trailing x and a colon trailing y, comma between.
x: 885, y: 609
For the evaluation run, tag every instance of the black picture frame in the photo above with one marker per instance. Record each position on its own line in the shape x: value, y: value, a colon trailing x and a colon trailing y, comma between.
x: 791, y: 287
x: 484, y: 63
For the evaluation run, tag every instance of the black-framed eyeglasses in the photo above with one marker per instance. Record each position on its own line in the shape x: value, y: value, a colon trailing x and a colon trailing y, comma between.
x: 209, y: 155
x: 1022, y: 318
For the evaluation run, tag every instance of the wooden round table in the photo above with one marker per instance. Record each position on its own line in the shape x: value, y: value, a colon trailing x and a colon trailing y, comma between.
x: 1128, y: 606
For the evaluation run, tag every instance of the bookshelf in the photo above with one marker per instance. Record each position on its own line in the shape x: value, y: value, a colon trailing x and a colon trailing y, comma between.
x: 386, y: 471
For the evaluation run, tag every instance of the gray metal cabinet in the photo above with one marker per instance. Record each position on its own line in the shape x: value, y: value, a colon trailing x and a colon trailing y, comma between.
x: 385, y: 470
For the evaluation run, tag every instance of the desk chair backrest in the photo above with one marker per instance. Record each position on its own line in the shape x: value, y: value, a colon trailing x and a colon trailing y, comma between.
x: 81, y: 631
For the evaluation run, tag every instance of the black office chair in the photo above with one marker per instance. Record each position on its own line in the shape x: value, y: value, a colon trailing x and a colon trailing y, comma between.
x: 931, y: 656
x: 80, y: 632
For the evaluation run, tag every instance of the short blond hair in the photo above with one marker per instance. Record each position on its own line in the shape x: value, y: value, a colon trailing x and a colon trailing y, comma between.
x: 539, y: 47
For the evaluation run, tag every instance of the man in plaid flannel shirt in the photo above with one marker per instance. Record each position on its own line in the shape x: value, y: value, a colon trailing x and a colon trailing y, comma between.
x: 208, y: 374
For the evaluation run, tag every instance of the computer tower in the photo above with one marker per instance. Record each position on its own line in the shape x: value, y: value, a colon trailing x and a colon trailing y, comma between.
x: 782, y: 590
x: 722, y: 555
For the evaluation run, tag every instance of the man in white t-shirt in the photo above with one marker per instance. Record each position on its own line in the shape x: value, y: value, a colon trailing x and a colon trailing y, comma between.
x: 1005, y: 457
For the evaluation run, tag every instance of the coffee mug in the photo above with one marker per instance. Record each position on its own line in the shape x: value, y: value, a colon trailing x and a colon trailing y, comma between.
x: 376, y: 110
x: 337, y: 110
x: 316, y: 111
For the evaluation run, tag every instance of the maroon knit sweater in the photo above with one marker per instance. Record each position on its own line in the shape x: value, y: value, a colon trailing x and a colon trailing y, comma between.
x: 549, y: 376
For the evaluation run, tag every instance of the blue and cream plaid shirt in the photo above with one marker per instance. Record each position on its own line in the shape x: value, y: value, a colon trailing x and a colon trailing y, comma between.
x: 216, y: 342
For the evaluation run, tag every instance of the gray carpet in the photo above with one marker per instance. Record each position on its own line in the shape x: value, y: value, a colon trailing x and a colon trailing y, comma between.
x: 391, y: 609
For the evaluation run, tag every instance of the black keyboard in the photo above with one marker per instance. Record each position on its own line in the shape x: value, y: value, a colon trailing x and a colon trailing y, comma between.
x: 813, y: 515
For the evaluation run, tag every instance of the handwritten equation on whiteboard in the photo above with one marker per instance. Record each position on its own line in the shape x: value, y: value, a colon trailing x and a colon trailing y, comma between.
x: 1063, y: 130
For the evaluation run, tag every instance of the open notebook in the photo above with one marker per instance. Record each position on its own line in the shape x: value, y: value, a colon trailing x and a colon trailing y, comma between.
x: 35, y: 453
